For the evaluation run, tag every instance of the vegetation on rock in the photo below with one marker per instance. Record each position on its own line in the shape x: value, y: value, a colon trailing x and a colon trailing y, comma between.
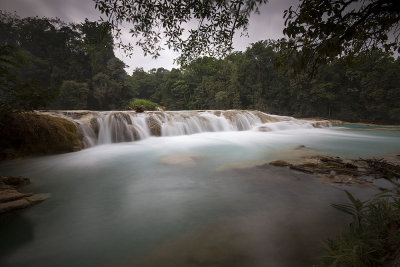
x: 29, y: 133
x: 140, y: 105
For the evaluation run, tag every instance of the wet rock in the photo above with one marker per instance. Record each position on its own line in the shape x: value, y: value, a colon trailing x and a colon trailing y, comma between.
x: 280, y: 163
x: 12, y: 194
x: 36, y: 198
x: 126, y: 117
x: 321, y: 124
x: 307, y: 168
x: 229, y: 114
x: 217, y: 113
x: 339, y: 171
x: 46, y: 135
x: 94, y: 124
x: 11, y: 199
x: 154, y: 126
x: 139, y: 108
x: 265, y: 117
x: 14, y: 205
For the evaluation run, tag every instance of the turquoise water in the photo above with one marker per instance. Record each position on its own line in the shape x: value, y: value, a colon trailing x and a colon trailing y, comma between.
x: 184, y: 201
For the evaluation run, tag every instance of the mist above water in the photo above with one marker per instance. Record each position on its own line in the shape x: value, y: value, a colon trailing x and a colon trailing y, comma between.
x: 126, y: 126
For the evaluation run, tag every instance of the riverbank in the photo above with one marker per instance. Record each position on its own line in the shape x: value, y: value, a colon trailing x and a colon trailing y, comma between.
x: 373, y: 237
x: 345, y: 171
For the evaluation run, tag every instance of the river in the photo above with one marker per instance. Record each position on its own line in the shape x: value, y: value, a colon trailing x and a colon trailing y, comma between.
x: 200, y: 199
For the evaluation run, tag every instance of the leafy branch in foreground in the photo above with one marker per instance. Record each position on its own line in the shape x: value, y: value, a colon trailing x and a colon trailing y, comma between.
x: 208, y: 25
x: 326, y: 29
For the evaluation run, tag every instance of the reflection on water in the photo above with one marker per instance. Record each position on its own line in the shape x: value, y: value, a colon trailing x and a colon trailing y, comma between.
x: 180, y: 201
x: 21, y: 229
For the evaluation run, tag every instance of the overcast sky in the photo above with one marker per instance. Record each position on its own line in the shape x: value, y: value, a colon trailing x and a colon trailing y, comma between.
x: 266, y: 25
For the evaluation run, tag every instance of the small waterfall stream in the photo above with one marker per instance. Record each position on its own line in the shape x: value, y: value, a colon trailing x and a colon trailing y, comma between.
x: 126, y: 126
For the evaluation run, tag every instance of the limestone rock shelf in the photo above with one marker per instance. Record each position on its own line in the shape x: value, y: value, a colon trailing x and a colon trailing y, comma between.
x: 11, y: 199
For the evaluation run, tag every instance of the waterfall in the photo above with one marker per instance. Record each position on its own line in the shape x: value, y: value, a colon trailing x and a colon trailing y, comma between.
x: 125, y: 126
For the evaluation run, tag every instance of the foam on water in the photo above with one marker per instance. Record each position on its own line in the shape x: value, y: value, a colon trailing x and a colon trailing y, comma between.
x: 127, y: 126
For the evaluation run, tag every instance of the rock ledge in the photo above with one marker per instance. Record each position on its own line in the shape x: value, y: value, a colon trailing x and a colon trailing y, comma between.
x: 11, y: 199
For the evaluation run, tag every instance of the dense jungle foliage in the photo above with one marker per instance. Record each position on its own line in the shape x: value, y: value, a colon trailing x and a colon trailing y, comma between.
x: 46, y: 63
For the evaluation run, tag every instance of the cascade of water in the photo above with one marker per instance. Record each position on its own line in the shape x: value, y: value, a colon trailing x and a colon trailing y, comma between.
x: 89, y: 136
x: 126, y: 126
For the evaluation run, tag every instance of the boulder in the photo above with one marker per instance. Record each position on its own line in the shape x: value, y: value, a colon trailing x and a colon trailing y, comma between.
x: 94, y: 124
x: 154, y: 126
x: 265, y: 117
x: 11, y: 199
x: 30, y: 133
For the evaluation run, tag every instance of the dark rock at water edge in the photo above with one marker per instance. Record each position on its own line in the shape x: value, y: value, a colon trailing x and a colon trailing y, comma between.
x: 11, y: 199
x: 339, y: 171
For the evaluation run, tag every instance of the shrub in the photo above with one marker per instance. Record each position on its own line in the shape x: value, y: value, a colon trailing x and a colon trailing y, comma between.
x: 140, y: 105
x: 373, y: 237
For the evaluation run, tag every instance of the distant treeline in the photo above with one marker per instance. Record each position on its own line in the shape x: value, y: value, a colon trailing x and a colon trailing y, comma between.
x: 72, y: 66
x: 55, y: 65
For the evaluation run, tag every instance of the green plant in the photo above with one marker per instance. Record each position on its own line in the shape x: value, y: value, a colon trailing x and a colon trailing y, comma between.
x: 373, y: 237
x: 141, y: 105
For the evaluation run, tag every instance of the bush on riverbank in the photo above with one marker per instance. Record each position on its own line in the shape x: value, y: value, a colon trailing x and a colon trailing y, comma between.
x: 373, y: 237
x: 28, y: 133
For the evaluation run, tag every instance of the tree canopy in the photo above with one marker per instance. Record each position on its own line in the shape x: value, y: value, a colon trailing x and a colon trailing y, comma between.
x: 326, y: 29
x: 46, y: 63
x: 193, y: 28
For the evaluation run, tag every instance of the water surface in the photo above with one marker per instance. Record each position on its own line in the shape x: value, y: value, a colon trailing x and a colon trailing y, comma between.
x: 184, y: 201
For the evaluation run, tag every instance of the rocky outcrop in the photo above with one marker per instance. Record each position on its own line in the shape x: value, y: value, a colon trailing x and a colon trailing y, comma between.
x: 154, y: 126
x: 337, y: 170
x: 11, y: 199
x: 267, y: 117
x: 30, y: 133
x: 321, y: 124
x: 101, y: 127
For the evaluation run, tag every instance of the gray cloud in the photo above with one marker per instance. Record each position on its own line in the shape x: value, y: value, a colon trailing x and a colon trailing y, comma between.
x: 266, y: 25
